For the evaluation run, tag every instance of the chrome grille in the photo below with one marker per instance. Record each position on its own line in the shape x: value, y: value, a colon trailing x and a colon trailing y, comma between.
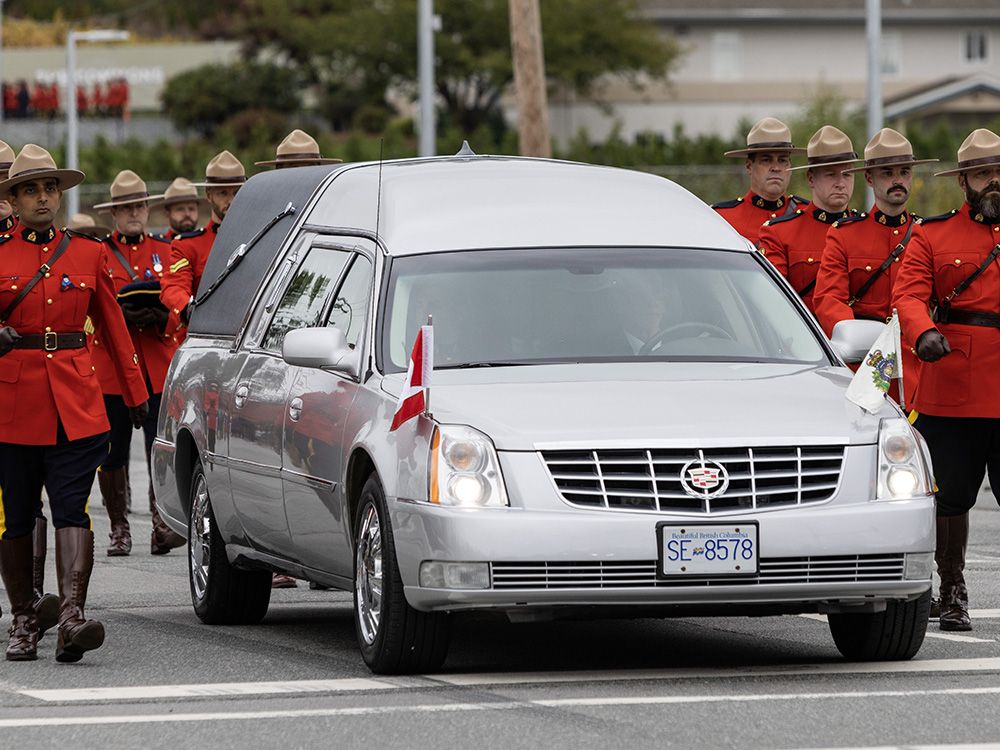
x: 650, y: 480
x: 619, y: 574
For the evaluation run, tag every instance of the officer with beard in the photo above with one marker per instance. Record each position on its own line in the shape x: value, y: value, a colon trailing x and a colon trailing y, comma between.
x: 948, y: 297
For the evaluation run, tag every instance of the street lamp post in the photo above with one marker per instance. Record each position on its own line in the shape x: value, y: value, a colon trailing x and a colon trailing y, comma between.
x: 873, y: 35
x: 425, y: 76
x: 72, y: 136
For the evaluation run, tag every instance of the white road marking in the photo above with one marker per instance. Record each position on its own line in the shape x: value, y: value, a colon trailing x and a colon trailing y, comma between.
x: 361, y: 684
x: 161, y: 718
x: 140, y: 692
x: 929, y: 634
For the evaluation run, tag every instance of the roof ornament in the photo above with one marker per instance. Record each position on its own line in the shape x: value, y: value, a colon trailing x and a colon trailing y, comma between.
x: 466, y: 150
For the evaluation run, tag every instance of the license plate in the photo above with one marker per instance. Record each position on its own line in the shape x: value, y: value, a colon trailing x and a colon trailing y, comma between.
x: 717, y: 549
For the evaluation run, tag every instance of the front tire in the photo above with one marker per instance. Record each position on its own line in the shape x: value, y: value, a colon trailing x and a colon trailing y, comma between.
x: 394, y: 638
x: 895, y: 634
x: 220, y: 593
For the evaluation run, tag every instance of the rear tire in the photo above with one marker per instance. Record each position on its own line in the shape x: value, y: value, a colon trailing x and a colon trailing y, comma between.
x: 220, y: 593
x: 393, y: 637
x: 893, y: 635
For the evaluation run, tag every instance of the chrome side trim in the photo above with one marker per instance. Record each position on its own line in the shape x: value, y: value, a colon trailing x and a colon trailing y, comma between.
x: 308, y: 480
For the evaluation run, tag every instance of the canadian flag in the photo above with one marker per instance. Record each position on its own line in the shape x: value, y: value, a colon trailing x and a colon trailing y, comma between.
x: 412, y: 399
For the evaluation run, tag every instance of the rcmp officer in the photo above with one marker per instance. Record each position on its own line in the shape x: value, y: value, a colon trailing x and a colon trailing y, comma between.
x: 181, y: 203
x: 53, y: 428
x: 768, y: 159
x: 137, y: 261
x: 298, y: 149
x: 794, y: 242
x: 189, y: 251
x: 7, y: 218
x: 954, y: 272
x: 863, y: 253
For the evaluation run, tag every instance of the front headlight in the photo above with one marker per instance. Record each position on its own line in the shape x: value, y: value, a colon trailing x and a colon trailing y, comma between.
x: 465, y: 470
x: 901, y: 468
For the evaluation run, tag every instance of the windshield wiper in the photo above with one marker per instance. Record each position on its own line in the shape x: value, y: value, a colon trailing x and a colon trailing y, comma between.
x: 472, y: 365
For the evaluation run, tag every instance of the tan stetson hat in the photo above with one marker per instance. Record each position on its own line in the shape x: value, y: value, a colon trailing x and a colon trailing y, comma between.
x: 225, y: 170
x: 829, y: 146
x: 85, y: 224
x: 768, y: 135
x: 181, y: 190
x: 889, y: 148
x: 298, y: 148
x: 6, y: 158
x: 982, y: 147
x: 127, y: 188
x: 35, y: 163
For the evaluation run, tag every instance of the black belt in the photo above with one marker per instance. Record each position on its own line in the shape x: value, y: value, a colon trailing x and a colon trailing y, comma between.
x: 968, y: 318
x: 52, y: 341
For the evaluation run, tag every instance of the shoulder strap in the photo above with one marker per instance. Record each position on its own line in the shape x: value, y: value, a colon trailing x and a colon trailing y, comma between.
x: 870, y: 281
x: 974, y: 275
x: 122, y: 260
x: 44, y: 269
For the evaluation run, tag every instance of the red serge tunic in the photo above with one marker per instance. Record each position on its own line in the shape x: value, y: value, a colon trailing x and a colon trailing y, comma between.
x: 39, y: 389
x: 855, y: 248
x: 966, y: 382
x: 188, y: 255
x: 795, y: 247
x: 148, y: 258
x: 747, y: 214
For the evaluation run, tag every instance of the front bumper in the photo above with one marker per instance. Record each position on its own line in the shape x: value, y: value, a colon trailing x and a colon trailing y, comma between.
x: 864, y: 542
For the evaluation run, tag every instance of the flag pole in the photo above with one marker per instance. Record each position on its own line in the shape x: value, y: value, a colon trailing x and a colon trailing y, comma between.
x: 427, y: 390
x: 899, y: 349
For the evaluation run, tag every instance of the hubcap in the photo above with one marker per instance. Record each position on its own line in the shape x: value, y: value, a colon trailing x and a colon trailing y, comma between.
x: 200, y: 549
x: 368, y: 575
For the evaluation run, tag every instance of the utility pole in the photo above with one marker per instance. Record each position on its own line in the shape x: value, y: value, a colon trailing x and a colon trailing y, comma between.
x: 873, y: 34
x: 426, y: 26
x: 3, y: 72
x: 529, y: 78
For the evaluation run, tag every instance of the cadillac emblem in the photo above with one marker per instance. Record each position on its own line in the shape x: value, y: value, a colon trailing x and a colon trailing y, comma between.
x: 704, y: 478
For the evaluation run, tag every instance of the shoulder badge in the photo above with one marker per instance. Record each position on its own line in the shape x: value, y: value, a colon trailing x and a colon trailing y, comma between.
x: 849, y: 220
x: 729, y: 204
x: 940, y: 217
x: 192, y: 233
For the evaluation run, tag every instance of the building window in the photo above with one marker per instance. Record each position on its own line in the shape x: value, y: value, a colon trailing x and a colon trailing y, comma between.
x: 892, y: 54
x: 727, y: 56
x: 976, y: 48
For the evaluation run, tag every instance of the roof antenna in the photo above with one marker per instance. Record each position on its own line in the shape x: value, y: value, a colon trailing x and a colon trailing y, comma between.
x: 466, y: 150
x: 378, y: 200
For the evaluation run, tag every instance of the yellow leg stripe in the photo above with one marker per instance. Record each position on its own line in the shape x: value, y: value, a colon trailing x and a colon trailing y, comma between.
x: 3, y: 519
x: 913, y: 416
x: 86, y: 512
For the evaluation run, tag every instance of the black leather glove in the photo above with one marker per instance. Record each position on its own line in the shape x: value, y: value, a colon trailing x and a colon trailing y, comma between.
x: 132, y: 313
x: 138, y: 414
x: 157, y: 316
x: 186, y: 313
x: 932, y: 345
x: 8, y: 337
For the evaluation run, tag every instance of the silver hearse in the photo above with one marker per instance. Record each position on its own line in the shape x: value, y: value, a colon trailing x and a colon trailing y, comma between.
x: 631, y: 414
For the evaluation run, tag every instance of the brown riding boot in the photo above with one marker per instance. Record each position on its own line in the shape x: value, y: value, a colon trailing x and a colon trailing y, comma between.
x: 15, y: 567
x: 955, y: 608
x: 163, y: 538
x: 46, y: 606
x: 115, y: 490
x: 74, y: 563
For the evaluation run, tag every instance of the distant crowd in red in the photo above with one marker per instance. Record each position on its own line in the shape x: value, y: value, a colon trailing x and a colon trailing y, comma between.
x: 42, y: 100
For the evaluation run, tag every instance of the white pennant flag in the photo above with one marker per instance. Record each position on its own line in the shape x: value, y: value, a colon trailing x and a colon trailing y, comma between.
x: 880, y: 366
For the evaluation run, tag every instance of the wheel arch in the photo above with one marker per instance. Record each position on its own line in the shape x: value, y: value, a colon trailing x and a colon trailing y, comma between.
x: 359, y: 467
x: 185, y: 457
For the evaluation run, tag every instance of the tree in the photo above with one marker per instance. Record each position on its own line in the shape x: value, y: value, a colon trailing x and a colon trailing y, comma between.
x: 205, y: 97
x: 367, y: 47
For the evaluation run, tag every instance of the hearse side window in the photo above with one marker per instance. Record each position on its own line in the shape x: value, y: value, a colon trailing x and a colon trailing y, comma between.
x: 305, y: 299
x: 351, y: 302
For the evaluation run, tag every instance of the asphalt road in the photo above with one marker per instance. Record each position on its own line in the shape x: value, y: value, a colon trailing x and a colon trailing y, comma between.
x: 165, y: 680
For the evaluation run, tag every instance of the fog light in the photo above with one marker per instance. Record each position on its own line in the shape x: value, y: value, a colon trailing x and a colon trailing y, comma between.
x: 902, y: 481
x: 454, y: 575
x: 918, y: 566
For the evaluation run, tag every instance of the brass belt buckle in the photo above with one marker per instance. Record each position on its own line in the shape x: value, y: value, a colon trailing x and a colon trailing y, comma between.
x: 50, y: 344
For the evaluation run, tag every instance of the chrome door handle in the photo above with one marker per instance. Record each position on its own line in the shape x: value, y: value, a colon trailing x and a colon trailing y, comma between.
x: 240, y: 397
x: 295, y: 409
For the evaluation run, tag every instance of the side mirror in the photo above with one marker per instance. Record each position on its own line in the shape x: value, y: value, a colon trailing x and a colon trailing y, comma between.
x: 320, y: 347
x: 853, y: 338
